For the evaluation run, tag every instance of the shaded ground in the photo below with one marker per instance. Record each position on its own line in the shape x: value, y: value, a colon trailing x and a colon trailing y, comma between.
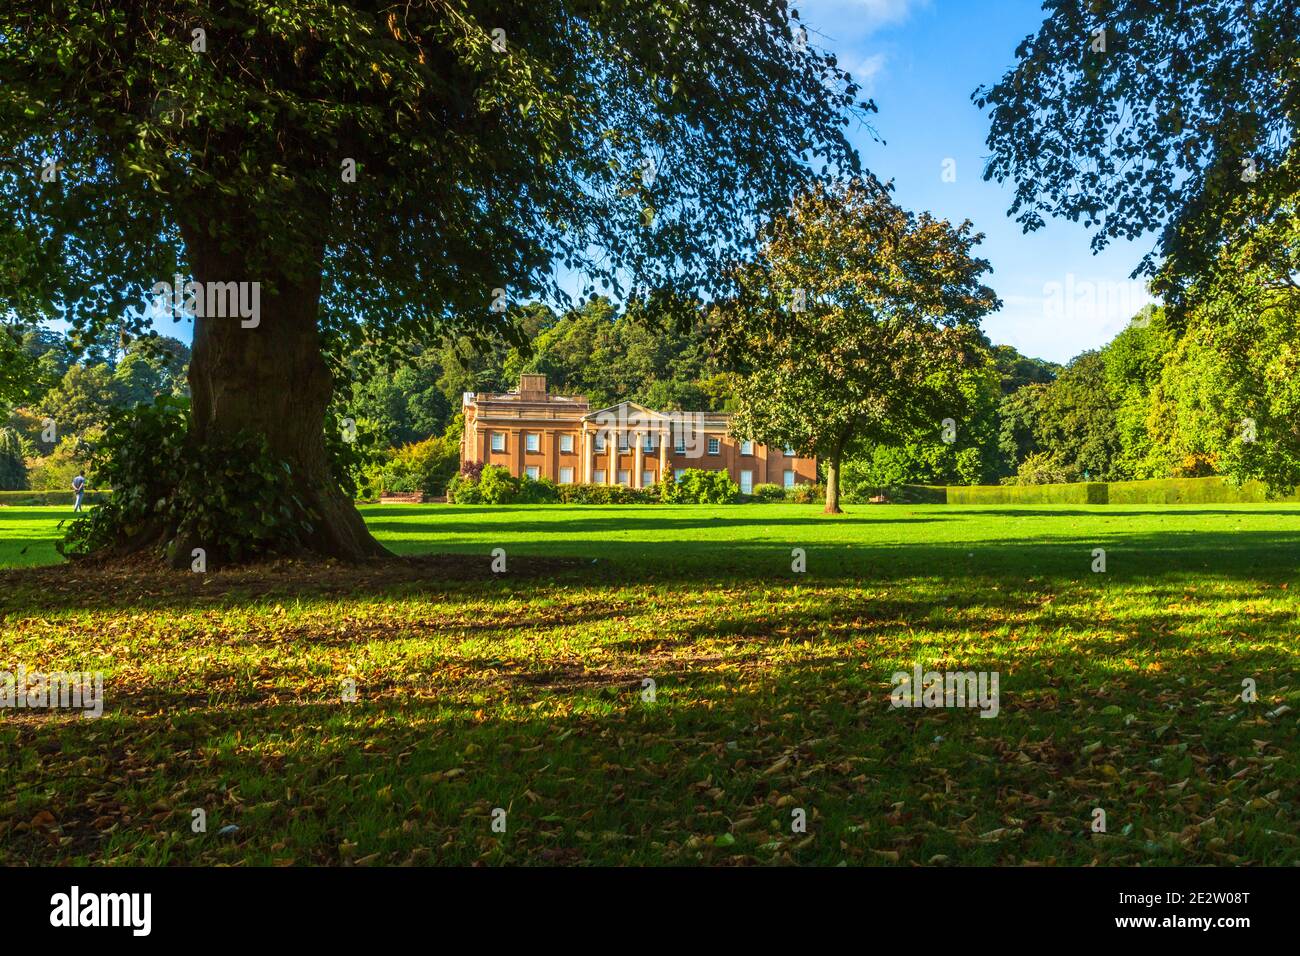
x: 524, y: 691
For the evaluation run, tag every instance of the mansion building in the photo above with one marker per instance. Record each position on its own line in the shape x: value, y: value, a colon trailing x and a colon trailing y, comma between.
x: 561, y: 438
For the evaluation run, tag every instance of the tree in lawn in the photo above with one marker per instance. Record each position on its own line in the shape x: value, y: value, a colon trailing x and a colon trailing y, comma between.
x: 386, y: 174
x: 1139, y: 117
x: 853, y: 325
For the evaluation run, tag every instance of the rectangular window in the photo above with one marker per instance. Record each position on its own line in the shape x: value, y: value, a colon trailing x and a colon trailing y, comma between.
x: 625, y: 477
x: 789, y: 479
x: 746, y: 482
x: 677, y: 473
x: 622, y: 441
x: 566, y: 443
x: 598, y: 477
x: 566, y: 476
x: 600, y: 441
x: 532, y: 441
x: 498, y: 441
x: 649, y: 443
x: 747, y: 448
x: 647, y: 479
x: 681, y: 445
x: 715, y: 446
x: 532, y: 472
x: 789, y: 451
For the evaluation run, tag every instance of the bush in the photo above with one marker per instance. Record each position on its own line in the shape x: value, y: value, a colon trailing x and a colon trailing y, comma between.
x: 463, y: 490
x: 540, y: 491
x: 768, y: 493
x: 162, y: 485
x: 607, y: 495
x: 699, y: 487
x: 807, y: 494
x: 1041, y: 468
x: 496, y: 486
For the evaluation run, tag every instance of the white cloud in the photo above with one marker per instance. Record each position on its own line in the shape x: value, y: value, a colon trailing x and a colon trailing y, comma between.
x: 860, y: 17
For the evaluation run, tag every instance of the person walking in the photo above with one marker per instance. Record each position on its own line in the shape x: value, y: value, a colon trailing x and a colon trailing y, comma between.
x: 79, y: 486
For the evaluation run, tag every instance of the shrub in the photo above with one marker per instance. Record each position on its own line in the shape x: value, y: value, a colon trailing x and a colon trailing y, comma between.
x: 699, y: 487
x: 463, y: 490
x: 496, y: 486
x: 769, y: 493
x: 164, y: 486
x: 540, y: 491
x: 606, y: 495
x: 1041, y: 468
x: 807, y: 494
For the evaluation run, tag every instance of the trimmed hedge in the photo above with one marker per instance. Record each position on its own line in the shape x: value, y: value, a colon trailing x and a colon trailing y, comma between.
x: 36, y: 498
x: 1190, y: 491
x: 1158, y: 491
x: 1077, y: 493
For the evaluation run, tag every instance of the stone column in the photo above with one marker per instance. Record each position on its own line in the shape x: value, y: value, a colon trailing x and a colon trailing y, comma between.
x: 588, y: 455
x: 663, y: 455
x: 638, y: 460
x: 611, y: 439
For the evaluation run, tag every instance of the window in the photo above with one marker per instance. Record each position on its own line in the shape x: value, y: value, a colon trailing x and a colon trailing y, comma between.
x: 681, y: 445
x: 746, y: 482
x: 566, y: 443
x: 647, y: 479
x: 649, y: 443
x: 625, y: 477
x: 532, y: 441
x: 622, y: 441
x: 598, y: 477
x: 600, y: 441
x: 566, y: 476
x: 677, y: 473
x: 715, y: 446
x: 747, y: 448
x: 532, y: 472
x: 498, y: 441
x: 789, y: 479
x: 789, y: 451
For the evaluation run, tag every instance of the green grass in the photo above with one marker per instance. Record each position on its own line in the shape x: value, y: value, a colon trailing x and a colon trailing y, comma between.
x: 523, y: 691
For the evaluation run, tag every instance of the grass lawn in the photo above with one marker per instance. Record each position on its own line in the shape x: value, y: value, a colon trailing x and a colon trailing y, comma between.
x: 523, y: 691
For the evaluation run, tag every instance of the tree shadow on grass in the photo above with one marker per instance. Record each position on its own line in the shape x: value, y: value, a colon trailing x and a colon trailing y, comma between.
x: 591, y: 773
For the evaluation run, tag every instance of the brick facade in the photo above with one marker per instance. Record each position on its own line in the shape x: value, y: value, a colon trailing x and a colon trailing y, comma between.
x: 563, y: 439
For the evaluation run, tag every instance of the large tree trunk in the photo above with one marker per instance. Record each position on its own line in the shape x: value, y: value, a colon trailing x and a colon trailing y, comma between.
x: 272, y: 380
x: 833, y: 481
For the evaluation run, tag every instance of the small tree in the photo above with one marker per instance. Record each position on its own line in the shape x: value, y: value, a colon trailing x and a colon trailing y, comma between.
x: 853, y: 324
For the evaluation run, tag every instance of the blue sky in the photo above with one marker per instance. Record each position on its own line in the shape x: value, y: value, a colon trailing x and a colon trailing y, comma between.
x: 920, y: 60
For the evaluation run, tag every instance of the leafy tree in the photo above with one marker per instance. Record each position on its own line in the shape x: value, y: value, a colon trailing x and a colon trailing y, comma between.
x: 82, y: 400
x: 150, y: 366
x: 1076, y: 421
x: 13, y: 471
x: 1018, y: 428
x: 1139, y: 117
x: 381, y: 172
x: 853, y: 325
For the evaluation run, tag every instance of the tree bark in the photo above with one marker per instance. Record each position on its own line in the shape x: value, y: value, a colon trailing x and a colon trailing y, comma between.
x: 271, y: 379
x: 833, y: 481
